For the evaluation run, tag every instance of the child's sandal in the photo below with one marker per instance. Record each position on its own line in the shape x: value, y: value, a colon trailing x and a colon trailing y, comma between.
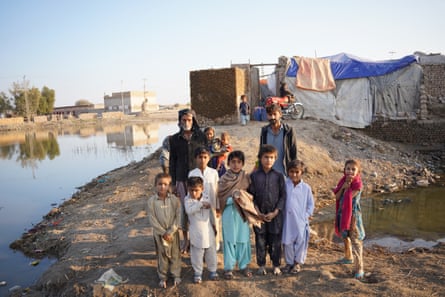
x: 359, y: 276
x: 246, y: 272
x: 344, y: 261
x: 228, y: 275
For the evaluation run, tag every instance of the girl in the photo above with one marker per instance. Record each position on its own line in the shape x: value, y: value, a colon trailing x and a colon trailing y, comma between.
x: 236, y: 232
x: 348, y: 218
x: 299, y: 207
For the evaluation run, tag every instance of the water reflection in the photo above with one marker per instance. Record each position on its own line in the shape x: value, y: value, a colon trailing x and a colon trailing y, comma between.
x: 407, y: 215
x: 29, y: 147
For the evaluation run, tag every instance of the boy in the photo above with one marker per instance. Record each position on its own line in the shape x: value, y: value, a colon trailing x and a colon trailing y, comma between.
x: 210, y: 178
x: 244, y: 110
x: 269, y: 197
x: 202, y: 229
x: 299, y: 207
x: 164, y: 214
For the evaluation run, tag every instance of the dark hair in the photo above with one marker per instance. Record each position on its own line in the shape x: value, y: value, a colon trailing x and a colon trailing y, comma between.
x: 243, y: 96
x: 267, y: 149
x: 209, y: 128
x: 236, y: 154
x: 195, y: 181
x: 273, y: 108
x: 162, y: 175
x: 201, y: 150
x: 354, y: 162
x: 297, y: 164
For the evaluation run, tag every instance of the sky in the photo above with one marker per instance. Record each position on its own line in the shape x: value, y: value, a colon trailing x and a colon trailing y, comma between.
x: 85, y: 49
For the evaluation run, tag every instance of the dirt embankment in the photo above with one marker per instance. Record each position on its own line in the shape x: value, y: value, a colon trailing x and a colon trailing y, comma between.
x: 105, y: 226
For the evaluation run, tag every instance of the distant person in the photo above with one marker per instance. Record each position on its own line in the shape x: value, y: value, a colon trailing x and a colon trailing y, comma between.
x: 202, y: 230
x: 281, y: 135
x: 236, y: 230
x: 244, y: 109
x: 182, y: 147
x: 210, y: 178
x: 269, y: 197
x: 348, y: 216
x: 299, y: 208
x: 285, y: 92
x: 164, y: 214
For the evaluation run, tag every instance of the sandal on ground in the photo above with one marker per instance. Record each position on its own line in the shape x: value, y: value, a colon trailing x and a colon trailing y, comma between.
x: 197, y: 279
x: 177, y: 281
x: 214, y: 276
x: 344, y: 261
x: 228, y: 274
x: 246, y: 272
x: 294, y: 269
x: 162, y: 284
x: 359, y: 275
x: 277, y: 270
x: 261, y: 271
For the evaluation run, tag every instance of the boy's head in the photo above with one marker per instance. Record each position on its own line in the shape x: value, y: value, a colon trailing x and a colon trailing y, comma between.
x: 195, y: 186
x: 162, y: 183
x: 267, y: 156
x: 236, y: 161
x: 273, y: 113
x: 210, y: 133
x: 352, y: 167
x: 202, y: 157
x: 225, y: 138
x: 295, y: 170
x: 243, y: 98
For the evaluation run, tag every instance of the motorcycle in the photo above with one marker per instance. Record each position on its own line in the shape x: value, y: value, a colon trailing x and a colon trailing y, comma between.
x: 289, y: 109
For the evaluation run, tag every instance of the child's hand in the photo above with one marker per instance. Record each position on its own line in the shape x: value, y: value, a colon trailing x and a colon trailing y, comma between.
x: 271, y: 215
x: 167, y: 237
x: 205, y: 205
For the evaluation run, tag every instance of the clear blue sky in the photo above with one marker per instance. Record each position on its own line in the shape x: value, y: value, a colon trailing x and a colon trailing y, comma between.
x: 86, y: 48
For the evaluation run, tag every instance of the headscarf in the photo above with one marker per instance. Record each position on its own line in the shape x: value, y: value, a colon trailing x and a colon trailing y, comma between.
x: 229, y: 182
x: 344, y: 223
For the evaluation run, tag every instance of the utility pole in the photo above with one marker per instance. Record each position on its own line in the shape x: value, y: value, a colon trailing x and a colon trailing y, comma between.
x: 145, y: 97
x: 122, y: 97
x: 25, y: 88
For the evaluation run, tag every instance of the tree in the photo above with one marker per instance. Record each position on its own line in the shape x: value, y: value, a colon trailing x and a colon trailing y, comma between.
x: 5, y: 103
x: 26, y: 100
x: 47, y: 99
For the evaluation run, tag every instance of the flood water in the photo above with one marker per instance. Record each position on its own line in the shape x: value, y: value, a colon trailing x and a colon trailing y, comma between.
x: 41, y: 170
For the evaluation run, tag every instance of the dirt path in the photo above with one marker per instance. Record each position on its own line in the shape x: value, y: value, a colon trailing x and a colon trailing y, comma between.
x: 105, y: 226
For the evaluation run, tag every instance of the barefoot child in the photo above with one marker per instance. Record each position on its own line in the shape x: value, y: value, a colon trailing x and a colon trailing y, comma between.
x: 164, y: 213
x: 236, y: 231
x: 348, y: 218
x: 202, y: 229
x: 299, y: 207
x: 269, y: 192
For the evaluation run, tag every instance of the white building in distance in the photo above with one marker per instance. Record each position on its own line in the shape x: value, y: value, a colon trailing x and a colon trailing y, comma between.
x: 131, y: 102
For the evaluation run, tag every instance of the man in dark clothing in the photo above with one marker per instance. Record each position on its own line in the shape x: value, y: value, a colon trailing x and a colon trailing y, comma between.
x: 182, y: 147
x: 282, y: 136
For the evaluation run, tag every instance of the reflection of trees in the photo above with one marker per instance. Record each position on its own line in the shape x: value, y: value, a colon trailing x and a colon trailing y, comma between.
x: 37, y: 149
x: 6, y: 152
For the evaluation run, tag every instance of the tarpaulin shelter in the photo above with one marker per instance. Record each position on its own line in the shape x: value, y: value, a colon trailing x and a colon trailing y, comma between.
x: 363, y: 89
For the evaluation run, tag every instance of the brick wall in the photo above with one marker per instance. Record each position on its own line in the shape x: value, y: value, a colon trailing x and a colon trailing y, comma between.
x: 434, y: 80
x: 408, y: 131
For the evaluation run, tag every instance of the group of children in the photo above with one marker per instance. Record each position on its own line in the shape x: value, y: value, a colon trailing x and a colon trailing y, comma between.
x: 278, y: 207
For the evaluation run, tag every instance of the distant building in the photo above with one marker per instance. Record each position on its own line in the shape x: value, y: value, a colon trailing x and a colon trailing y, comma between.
x: 131, y: 102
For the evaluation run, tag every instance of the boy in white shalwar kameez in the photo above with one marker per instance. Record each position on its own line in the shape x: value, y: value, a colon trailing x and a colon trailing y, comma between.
x: 202, y: 229
x: 299, y: 207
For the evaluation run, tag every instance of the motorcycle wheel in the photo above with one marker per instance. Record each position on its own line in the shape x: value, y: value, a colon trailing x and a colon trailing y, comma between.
x: 296, y: 111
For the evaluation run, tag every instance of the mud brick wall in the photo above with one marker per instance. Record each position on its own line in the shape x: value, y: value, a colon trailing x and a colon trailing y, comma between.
x: 215, y: 94
x: 434, y: 80
x: 408, y: 131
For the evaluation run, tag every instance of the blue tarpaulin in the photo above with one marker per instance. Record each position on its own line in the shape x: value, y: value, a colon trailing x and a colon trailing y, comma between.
x: 344, y: 66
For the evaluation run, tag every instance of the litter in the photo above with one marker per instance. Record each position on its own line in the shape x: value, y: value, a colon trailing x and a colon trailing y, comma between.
x: 110, y: 278
x: 34, y: 263
x: 3, y: 283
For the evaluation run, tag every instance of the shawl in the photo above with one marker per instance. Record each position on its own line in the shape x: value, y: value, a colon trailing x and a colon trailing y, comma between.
x: 229, y: 182
x: 346, y: 206
x: 244, y: 200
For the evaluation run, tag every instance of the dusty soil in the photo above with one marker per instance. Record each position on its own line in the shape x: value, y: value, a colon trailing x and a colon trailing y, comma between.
x: 104, y: 225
